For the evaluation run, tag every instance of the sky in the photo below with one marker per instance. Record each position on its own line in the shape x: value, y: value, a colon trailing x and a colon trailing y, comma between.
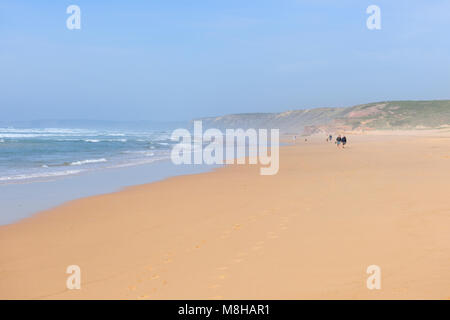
x: 165, y: 60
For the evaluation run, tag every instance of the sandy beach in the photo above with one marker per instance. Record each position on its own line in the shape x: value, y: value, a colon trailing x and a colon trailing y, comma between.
x: 309, y: 232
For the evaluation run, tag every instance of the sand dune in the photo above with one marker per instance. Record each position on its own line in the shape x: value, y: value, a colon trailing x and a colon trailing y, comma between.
x: 308, y: 232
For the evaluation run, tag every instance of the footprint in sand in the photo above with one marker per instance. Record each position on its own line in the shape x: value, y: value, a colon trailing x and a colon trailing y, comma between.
x: 221, y: 277
x: 272, y: 235
x: 198, y: 246
x: 154, y: 277
x: 132, y: 288
x: 240, y: 257
x: 225, y: 234
x: 258, y: 246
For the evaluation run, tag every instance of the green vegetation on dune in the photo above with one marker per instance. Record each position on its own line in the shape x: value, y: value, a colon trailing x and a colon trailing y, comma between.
x: 378, y: 115
x: 399, y: 114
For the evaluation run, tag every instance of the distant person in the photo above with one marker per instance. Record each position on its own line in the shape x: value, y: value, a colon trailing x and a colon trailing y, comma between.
x: 338, y: 141
x: 330, y: 137
x: 344, y: 141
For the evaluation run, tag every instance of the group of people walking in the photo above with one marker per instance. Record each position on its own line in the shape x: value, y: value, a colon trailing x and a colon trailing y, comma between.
x: 339, y: 140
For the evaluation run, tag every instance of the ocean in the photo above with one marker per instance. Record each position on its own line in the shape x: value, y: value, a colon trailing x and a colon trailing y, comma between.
x: 41, y: 168
x: 28, y: 155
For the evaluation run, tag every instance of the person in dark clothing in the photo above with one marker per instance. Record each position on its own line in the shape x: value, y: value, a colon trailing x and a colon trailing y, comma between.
x: 344, y: 141
x: 338, y: 141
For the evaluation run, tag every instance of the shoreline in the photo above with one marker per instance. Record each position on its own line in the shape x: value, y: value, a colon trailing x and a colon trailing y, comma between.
x: 225, y: 234
x: 23, y: 200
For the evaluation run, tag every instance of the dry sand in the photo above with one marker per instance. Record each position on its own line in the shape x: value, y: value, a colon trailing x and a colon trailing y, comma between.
x: 308, y: 232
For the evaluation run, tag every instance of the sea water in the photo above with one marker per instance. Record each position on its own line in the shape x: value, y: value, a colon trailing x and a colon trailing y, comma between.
x: 44, y: 167
x: 28, y: 155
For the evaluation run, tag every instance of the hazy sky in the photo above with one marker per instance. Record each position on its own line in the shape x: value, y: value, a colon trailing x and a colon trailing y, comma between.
x: 164, y: 59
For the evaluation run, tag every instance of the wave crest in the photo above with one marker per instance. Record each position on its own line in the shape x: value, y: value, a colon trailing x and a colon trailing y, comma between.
x: 81, y: 162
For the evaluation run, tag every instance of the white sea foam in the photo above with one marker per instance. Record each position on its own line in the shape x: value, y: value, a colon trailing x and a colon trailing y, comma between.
x: 23, y: 135
x: 46, y: 130
x: 117, y: 140
x: 143, y: 152
x: 35, y: 135
x: 92, y: 140
x: 39, y: 175
x: 81, y: 162
x: 61, y: 144
x: 115, y: 134
x: 137, y: 163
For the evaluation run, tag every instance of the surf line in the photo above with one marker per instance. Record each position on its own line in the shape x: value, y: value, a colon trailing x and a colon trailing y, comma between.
x: 253, y: 142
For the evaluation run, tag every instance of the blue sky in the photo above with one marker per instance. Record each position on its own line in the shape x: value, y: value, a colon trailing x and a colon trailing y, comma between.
x: 177, y: 60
